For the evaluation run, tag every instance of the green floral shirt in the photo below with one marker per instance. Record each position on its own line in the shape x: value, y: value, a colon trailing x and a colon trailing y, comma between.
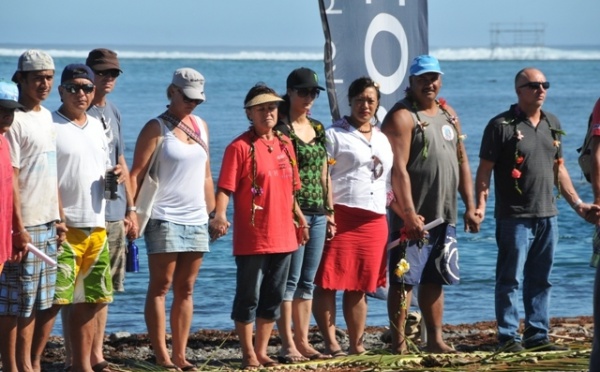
x: 311, y: 158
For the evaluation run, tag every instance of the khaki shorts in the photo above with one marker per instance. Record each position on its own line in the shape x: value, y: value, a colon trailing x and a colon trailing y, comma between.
x: 83, y: 274
x: 115, y: 230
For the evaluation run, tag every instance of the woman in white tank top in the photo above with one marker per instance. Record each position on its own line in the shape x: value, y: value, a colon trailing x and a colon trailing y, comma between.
x: 176, y: 235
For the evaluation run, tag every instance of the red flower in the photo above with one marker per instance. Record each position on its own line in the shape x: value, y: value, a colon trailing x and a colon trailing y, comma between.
x: 519, y: 160
x: 403, y: 235
x: 516, y: 173
x: 442, y: 103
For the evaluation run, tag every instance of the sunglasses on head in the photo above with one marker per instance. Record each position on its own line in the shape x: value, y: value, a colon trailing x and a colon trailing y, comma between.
x: 187, y: 99
x: 113, y: 73
x: 304, y: 92
x: 534, y: 85
x: 74, y: 88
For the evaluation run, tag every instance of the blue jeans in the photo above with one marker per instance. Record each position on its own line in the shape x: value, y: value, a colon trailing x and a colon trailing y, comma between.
x: 525, y: 245
x: 305, y: 261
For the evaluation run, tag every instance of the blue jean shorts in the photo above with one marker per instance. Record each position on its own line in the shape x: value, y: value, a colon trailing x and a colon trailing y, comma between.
x: 169, y: 237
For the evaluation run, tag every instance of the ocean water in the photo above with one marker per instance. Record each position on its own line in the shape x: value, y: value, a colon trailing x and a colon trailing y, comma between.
x: 476, y: 85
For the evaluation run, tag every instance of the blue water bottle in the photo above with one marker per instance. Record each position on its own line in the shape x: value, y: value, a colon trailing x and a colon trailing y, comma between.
x: 133, y: 263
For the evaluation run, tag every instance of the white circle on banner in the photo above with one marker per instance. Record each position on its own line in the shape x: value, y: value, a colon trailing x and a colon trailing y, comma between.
x: 448, y: 132
x: 384, y: 22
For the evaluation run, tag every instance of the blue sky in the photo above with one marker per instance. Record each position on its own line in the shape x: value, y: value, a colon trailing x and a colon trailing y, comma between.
x: 452, y: 23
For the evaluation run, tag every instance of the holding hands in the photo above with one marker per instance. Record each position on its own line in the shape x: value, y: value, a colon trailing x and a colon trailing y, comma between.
x: 589, y: 212
x: 218, y: 226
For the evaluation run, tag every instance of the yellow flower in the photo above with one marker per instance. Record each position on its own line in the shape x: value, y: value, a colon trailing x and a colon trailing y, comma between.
x: 331, y: 161
x: 402, y: 268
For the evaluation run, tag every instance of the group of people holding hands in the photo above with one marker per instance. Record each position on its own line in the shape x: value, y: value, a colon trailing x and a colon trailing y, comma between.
x: 313, y: 211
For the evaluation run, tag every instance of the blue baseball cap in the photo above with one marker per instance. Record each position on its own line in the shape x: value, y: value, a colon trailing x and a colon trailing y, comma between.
x: 424, y: 64
x: 9, y: 95
x: 77, y: 71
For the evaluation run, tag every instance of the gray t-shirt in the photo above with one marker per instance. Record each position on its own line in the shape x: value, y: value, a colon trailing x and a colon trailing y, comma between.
x: 537, y: 147
x: 110, y: 117
x: 434, y: 179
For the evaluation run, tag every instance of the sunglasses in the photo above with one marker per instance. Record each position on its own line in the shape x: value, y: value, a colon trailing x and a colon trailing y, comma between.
x: 187, y: 99
x: 74, y: 88
x: 113, y: 73
x: 534, y: 85
x: 304, y: 92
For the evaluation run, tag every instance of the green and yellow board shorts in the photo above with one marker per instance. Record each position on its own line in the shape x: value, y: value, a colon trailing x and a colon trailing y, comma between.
x: 83, y: 274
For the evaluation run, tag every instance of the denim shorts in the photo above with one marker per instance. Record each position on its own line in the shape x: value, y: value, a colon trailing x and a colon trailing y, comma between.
x: 168, y: 237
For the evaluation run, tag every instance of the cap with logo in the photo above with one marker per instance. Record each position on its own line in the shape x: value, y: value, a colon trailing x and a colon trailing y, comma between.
x: 76, y: 71
x: 424, y: 64
x: 191, y: 82
x: 303, y: 78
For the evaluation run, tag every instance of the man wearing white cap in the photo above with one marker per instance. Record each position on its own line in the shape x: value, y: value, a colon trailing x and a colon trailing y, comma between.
x: 27, y: 284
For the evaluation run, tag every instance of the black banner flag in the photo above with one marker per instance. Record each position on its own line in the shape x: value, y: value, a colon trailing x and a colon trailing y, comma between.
x: 375, y: 38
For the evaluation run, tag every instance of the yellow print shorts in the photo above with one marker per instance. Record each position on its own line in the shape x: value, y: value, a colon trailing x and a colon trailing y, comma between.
x: 83, y: 274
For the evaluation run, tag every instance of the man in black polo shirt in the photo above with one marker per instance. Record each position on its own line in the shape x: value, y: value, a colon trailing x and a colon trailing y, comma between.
x: 522, y: 146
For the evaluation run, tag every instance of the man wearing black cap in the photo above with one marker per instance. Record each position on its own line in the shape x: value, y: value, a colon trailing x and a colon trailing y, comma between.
x: 27, y: 284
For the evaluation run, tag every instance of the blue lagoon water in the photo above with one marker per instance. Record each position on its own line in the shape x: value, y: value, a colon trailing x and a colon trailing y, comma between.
x: 478, y: 88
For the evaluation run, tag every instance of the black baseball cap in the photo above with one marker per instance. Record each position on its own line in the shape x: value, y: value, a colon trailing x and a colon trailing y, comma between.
x: 303, y: 78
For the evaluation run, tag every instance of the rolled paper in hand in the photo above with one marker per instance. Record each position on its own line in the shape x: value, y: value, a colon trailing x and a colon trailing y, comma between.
x: 429, y: 226
x: 33, y: 249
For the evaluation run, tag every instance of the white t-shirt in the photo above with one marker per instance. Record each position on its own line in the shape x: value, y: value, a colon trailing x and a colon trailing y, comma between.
x: 32, y: 139
x: 361, y: 175
x: 82, y: 159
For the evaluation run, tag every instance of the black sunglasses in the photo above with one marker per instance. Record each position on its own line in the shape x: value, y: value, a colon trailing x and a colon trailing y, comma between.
x: 304, y: 92
x: 187, y: 99
x: 113, y: 73
x: 534, y: 85
x: 74, y: 88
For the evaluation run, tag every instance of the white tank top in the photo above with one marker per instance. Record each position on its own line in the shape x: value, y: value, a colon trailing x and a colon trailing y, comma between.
x: 181, y: 176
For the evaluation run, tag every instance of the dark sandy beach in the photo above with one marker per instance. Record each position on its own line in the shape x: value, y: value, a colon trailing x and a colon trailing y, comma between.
x: 219, y: 350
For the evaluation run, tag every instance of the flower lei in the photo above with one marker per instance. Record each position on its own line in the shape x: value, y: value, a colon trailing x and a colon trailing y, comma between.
x: 516, y: 172
x: 442, y: 104
x: 256, y: 189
